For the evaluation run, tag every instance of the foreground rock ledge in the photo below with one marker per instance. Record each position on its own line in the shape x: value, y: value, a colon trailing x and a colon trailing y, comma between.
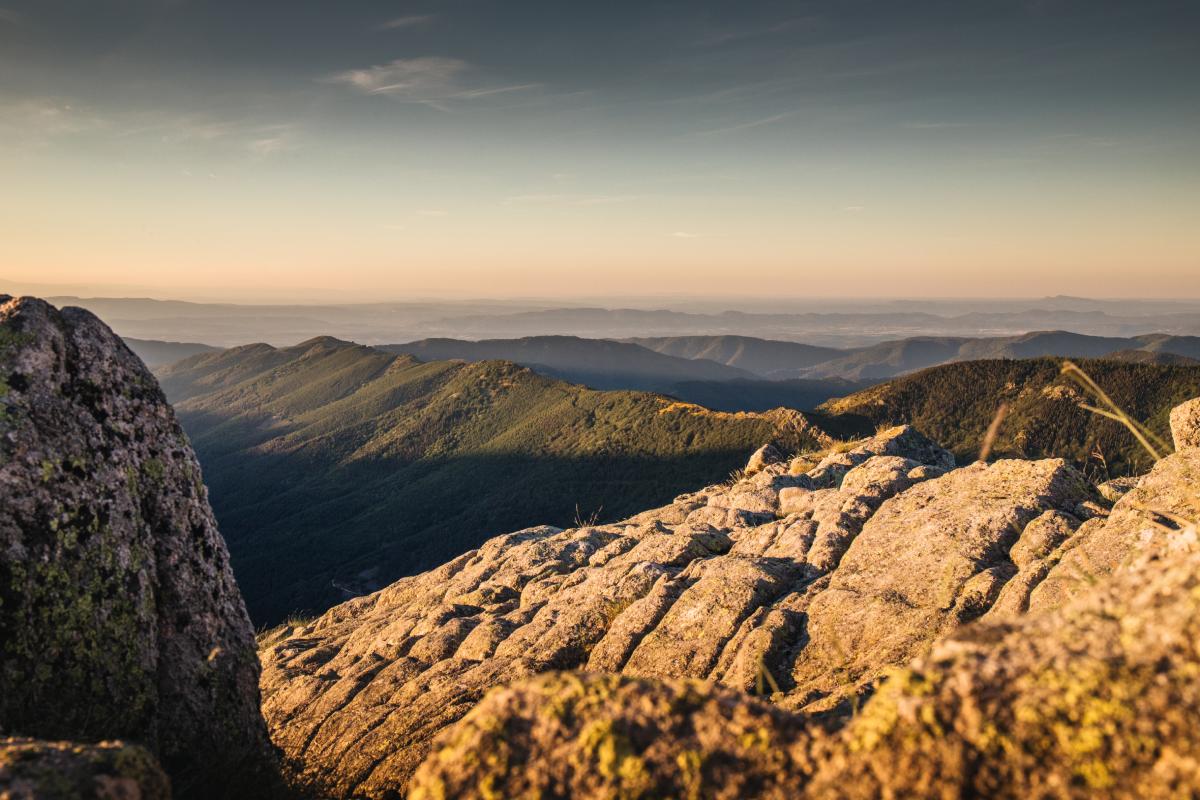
x: 119, y: 615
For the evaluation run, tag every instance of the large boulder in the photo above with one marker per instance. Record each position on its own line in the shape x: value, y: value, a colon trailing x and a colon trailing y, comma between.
x: 119, y: 615
x: 1185, y: 425
x: 38, y: 770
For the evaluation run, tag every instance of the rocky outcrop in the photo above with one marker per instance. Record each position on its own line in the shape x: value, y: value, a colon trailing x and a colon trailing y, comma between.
x: 1185, y: 425
x: 803, y: 581
x: 119, y: 615
x: 1164, y: 499
x: 1092, y: 695
x: 1096, y: 699
x: 930, y: 559
x: 37, y: 770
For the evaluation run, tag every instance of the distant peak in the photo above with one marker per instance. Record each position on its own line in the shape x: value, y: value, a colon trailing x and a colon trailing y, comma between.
x: 324, y: 342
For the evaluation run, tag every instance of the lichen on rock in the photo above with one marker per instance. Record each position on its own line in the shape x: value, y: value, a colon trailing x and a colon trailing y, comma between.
x: 31, y: 769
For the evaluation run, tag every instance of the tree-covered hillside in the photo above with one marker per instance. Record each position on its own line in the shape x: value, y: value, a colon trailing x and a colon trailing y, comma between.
x: 335, y: 468
x: 954, y: 404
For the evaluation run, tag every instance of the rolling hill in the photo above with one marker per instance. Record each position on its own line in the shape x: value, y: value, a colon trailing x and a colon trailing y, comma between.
x: 906, y: 355
x: 154, y: 353
x: 599, y: 363
x: 955, y: 403
x: 759, y: 356
x: 335, y: 468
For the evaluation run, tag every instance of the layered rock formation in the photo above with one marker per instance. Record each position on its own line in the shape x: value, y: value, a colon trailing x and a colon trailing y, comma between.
x: 1097, y: 697
x: 805, y: 582
x: 119, y: 615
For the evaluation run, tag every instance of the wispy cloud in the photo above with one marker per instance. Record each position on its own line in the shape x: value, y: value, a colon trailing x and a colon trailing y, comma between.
x: 273, y: 140
x: 725, y: 37
x: 432, y: 80
x: 40, y: 122
x: 429, y: 75
x: 745, y: 126
x: 685, y: 235
x: 474, y: 94
x: 934, y: 126
x: 9, y: 16
x: 567, y: 199
x: 411, y: 21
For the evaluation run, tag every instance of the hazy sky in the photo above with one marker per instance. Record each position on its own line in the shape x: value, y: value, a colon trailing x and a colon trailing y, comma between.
x: 503, y: 147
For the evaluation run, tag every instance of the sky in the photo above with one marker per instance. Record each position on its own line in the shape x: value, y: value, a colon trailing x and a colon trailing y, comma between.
x: 384, y: 149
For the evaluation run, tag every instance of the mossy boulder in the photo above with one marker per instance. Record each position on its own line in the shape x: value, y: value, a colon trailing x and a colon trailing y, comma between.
x: 610, y: 736
x: 31, y: 769
x: 119, y: 614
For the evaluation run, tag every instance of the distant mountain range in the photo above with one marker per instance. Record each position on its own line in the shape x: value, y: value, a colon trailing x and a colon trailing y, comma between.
x: 606, y: 364
x: 816, y: 322
x: 759, y: 356
x: 896, y: 358
x: 687, y: 366
x: 725, y: 373
x: 335, y: 468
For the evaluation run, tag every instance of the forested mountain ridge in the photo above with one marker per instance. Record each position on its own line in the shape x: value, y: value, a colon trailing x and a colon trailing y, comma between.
x: 955, y: 403
x: 889, y: 359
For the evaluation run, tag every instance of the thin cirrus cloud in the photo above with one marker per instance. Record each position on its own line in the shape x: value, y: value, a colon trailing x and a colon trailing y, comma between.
x: 561, y: 199
x: 33, y: 123
x: 411, y: 21
x: 434, y: 81
x: 745, y: 126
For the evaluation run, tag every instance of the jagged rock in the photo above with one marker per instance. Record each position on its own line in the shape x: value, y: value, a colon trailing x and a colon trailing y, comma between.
x: 930, y: 558
x: 767, y: 454
x: 119, y: 615
x: 1033, y: 556
x: 1099, y: 698
x: 1164, y: 499
x: 1185, y: 424
x: 1115, y: 489
x: 31, y: 769
x: 903, y: 440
